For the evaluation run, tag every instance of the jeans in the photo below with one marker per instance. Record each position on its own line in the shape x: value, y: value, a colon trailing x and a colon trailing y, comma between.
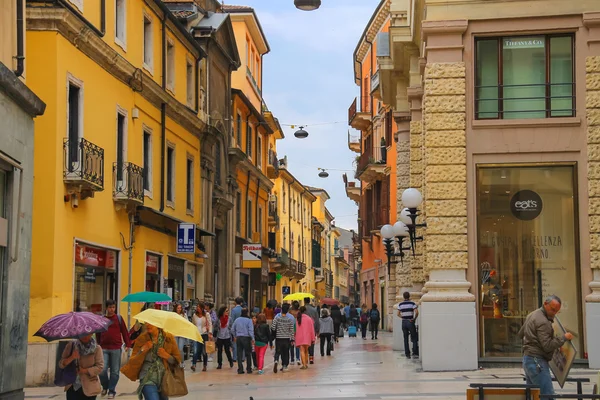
x: 336, y: 330
x: 260, y: 356
x: 112, y: 361
x: 410, y: 329
x: 325, y: 337
x: 282, y: 348
x: 200, y: 351
x: 181, y: 342
x: 363, y: 329
x: 151, y: 392
x: 537, y: 372
x: 374, y: 329
x: 224, y: 344
x: 311, y: 351
x: 244, y: 348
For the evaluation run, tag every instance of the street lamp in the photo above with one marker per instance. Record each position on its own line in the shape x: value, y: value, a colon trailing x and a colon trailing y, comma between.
x: 307, y: 5
x: 301, y: 133
x: 412, y: 199
x: 323, y: 173
x: 391, y: 233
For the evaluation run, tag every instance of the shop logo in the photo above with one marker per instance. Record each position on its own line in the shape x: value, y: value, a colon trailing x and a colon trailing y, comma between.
x: 526, y: 205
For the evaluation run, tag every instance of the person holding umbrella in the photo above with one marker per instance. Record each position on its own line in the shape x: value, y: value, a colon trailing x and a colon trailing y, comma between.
x: 87, y: 355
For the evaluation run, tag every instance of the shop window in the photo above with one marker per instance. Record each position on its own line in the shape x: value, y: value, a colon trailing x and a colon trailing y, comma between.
x: 96, y: 275
x: 153, y: 272
x: 523, y: 77
x: 527, y: 250
x: 175, y: 280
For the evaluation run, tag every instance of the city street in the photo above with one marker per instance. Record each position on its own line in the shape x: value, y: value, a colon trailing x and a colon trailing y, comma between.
x: 358, y: 369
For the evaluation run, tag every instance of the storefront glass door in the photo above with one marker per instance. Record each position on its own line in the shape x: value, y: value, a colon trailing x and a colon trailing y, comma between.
x: 527, y: 250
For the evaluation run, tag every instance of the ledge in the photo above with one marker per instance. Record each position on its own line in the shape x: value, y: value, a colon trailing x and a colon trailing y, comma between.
x: 20, y: 93
x: 524, y: 123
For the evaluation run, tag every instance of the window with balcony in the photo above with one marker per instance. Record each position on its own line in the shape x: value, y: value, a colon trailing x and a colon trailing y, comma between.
x: 148, y: 44
x: 147, y: 162
x: 259, y: 151
x: 121, y: 141
x: 170, y: 66
x: 189, y: 187
x: 121, y: 23
x: 259, y: 220
x: 75, y: 120
x: 524, y: 77
x: 249, y: 136
x: 171, y: 176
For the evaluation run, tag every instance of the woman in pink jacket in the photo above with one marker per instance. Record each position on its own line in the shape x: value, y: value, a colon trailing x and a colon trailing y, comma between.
x: 305, y: 335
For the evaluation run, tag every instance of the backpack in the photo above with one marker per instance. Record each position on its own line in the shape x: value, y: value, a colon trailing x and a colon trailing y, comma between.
x: 374, y: 315
x: 363, y: 318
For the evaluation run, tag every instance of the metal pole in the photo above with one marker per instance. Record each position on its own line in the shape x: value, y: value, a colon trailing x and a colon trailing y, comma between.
x: 130, y: 266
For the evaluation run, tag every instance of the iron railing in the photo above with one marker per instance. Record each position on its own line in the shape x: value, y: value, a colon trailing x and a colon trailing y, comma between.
x: 83, y: 161
x: 374, y: 155
x: 359, y: 105
x: 283, y: 257
x: 128, y: 181
x: 251, y: 77
x: 273, y: 161
x: 557, y: 100
x: 301, y: 269
x: 374, y: 81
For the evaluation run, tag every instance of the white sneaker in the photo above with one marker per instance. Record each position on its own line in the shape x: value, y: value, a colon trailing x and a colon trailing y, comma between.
x: 284, y: 369
x: 210, y: 359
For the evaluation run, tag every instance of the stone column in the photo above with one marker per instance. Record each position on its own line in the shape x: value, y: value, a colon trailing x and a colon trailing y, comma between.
x: 448, y: 306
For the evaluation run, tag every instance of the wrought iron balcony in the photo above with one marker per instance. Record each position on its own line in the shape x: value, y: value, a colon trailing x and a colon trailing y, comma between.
x: 354, y: 143
x: 273, y: 211
x: 272, y: 165
x: 128, y: 183
x: 83, y: 164
x: 375, y: 84
x: 301, y: 268
x: 359, y: 113
x: 372, y: 165
x: 253, y: 81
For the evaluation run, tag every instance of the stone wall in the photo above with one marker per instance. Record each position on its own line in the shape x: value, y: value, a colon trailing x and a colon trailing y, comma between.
x: 417, y: 181
x: 592, y: 104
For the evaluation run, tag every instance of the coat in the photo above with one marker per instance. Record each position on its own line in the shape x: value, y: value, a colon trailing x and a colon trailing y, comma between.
x: 134, y: 365
x: 305, y: 332
x: 538, y: 335
x: 94, y: 363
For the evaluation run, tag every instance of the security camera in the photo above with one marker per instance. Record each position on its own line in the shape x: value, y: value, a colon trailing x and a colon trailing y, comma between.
x: 74, y: 201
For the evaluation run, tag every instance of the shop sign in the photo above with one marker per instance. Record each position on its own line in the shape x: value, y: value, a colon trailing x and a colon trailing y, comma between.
x: 285, y: 290
x: 526, y: 205
x: 94, y: 256
x: 186, y: 238
x: 252, y: 255
x: 535, y: 42
x: 152, y: 263
x: 90, y: 275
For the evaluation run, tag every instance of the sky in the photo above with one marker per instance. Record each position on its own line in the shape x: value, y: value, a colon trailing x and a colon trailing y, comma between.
x: 308, y: 80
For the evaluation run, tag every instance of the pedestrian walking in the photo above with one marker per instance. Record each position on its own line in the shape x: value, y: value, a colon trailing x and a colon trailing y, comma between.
x: 294, y: 351
x: 269, y: 312
x: 223, y: 337
x: 283, y: 331
x: 336, y: 315
x: 262, y: 337
x: 254, y: 359
x: 540, y: 343
x: 90, y: 361
x: 374, y: 319
x: 210, y: 309
x: 346, y: 316
x: 204, y: 323
x: 181, y: 341
x: 364, y: 321
x: 326, y: 331
x: 111, y: 343
x: 312, y: 312
x: 235, y: 313
x: 153, y: 352
x: 305, y: 335
x: 353, y: 314
x: 243, y: 335
x: 407, y: 310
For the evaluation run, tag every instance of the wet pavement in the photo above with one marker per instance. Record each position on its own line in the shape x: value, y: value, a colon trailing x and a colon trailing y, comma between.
x: 358, y: 369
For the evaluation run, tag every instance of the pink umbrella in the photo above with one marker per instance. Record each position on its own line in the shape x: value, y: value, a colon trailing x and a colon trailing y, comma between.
x: 73, y: 325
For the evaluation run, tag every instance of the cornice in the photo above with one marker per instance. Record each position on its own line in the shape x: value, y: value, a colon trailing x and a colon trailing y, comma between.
x: 93, y: 46
x: 375, y: 24
x: 245, y: 166
x: 444, y: 27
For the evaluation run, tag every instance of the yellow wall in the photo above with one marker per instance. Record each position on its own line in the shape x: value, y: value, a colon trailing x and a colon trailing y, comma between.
x: 240, y: 79
x: 56, y: 225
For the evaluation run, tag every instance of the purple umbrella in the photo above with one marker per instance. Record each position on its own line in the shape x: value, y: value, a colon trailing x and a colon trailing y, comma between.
x: 73, y: 325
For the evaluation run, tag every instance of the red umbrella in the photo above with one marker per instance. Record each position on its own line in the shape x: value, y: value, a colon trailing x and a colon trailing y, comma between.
x: 330, y: 302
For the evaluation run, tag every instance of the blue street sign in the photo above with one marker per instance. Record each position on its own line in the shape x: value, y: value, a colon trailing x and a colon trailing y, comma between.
x: 186, y: 238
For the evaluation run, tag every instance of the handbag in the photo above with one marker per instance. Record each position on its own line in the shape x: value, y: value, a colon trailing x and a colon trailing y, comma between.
x: 210, y: 347
x: 66, y: 376
x: 173, y: 383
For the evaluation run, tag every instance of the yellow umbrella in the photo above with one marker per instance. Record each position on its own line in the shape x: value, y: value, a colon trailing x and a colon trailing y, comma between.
x: 298, y: 296
x: 170, y: 322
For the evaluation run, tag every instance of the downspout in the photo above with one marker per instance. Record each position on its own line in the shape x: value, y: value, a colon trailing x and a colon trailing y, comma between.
x: 370, y: 92
x: 20, y: 40
x: 256, y: 206
x: 247, y: 211
x: 100, y: 32
x: 302, y: 226
x: 163, y: 116
x: 196, y: 90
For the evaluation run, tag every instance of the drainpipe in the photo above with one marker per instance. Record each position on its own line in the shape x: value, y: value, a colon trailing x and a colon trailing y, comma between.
x: 130, y: 249
x: 247, y: 211
x: 302, y: 225
x: 163, y: 115
x: 100, y: 32
x: 20, y: 40
x: 256, y: 205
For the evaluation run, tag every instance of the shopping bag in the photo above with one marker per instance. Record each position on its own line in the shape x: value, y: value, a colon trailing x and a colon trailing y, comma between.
x: 210, y: 347
x: 66, y: 376
x: 173, y: 383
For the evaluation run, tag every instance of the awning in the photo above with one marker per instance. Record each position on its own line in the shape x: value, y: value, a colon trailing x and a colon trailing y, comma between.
x: 164, y: 223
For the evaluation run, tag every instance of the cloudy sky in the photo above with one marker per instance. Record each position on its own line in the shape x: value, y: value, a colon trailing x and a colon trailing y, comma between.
x: 308, y: 80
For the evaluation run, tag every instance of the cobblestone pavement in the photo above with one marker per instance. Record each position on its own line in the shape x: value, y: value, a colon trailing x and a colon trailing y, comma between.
x: 358, y: 369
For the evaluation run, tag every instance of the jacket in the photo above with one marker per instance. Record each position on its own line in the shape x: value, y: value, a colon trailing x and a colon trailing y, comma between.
x: 116, y: 334
x: 94, y: 363
x: 336, y: 315
x: 134, y: 365
x: 203, y: 323
x: 305, y: 331
x: 314, y: 314
x: 262, y: 333
x: 538, y: 335
x: 326, y: 325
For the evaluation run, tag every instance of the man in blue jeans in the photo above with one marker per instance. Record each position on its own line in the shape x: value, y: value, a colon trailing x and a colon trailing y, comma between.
x: 235, y: 313
x: 539, y: 344
x: 111, y: 342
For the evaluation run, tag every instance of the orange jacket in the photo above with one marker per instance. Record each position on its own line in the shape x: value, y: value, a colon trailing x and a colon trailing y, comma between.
x: 134, y: 365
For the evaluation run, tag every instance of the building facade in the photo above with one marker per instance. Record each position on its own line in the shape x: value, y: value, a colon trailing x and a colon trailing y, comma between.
x: 497, y: 114
x: 19, y: 105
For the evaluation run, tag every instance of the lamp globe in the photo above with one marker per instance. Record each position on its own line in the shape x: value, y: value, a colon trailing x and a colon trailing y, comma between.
x: 387, y: 231
x: 412, y: 198
x: 400, y: 229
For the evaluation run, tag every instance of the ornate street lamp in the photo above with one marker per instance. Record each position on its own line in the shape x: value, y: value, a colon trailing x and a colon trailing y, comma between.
x: 307, y: 5
x: 301, y: 133
x: 390, y: 234
x: 412, y: 199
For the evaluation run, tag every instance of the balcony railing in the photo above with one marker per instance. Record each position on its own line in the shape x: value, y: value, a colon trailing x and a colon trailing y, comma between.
x: 375, y: 81
x: 375, y: 155
x: 283, y: 257
x: 354, y: 143
x: 128, y: 181
x: 254, y: 84
x: 272, y: 165
x: 273, y: 211
x: 83, y: 164
x: 359, y: 105
x: 301, y: 269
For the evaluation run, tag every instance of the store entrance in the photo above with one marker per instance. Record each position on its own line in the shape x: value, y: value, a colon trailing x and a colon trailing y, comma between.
x: 527, y: 250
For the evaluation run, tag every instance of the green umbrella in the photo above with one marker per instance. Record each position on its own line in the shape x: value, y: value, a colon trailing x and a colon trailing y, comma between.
x: 146, y: 297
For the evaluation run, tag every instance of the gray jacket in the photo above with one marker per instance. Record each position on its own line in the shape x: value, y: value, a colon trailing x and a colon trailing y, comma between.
x: 325, y: 325
x: 538, y: 335
x: 314, y: 314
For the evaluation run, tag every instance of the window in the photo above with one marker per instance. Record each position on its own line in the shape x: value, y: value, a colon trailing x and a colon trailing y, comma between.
x: 171, y: 176
x: 121, y: 143
x: 189, y: 198
x: 189, y: 74
x: 259, y: 151
x: 249, y: 140
x: 148, y: 44
x: 75, y: 121
x: 170, y: 66
x: 218, y: 163
x: 239, y: 129
x: 259, y: 227
x: 524, y: 77
x: 249, y: 219
x: 248, y: 52
x: 238, y: 213
x: 120, y: 23
x: 147, y: 162
x: 96, y: 275
x: 284, y: 200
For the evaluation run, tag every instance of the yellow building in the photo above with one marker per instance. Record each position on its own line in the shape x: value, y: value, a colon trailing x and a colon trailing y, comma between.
x: 321, y: 226
x: 333, y: 262
x: 294, y: 237
x: 117, y: 160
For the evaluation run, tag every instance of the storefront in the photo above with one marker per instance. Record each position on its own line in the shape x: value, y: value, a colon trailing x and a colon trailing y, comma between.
x: 153, y: 272
x: 176, y: 276
x: 96, y: 275
x: 190, y: 281
x: 527, y: 249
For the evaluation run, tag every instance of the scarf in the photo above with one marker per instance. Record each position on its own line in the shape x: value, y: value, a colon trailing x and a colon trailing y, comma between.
x: 224, y: 319
x: 85, y: 349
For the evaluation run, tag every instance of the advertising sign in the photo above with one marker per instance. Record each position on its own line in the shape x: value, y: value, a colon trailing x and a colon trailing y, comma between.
x: 186, y: 238
x: 526, y: 205
x: 563, y: 358
x: 252, y: 255
x: 90, y: 275
x: 152, y: 263
x: 91, y: 256
x: 285, y: 290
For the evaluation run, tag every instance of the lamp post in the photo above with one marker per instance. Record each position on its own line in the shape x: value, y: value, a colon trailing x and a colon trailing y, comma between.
x: 307, y: 5
x: 390, y: 234
x: 412, y: 199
